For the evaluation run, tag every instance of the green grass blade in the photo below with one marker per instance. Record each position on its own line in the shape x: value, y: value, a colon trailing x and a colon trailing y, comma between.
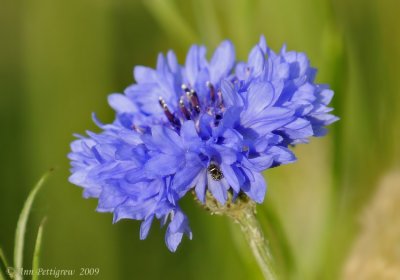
x: 210, y: 29
x: 170, y: 18
x: 36, y: 253
x: 3, y: 258
x: 4, y: 262
x: 21, y: 225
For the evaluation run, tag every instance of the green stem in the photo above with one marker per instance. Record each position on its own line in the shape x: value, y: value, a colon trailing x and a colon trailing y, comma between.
x: 269, y: 219
x: 242, y: 211
x: 254, y: 235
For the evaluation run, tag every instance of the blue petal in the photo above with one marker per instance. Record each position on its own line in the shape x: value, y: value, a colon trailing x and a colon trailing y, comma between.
x: 324, y: 119
x: 219, y: 189
x: 300, y: 128
x: 326, y: 96
x: 145, y: 227
x: 130, y: 137
x: 222, y: 154
x: 176, y: 229
x: 275, y: 113
x: 230, y: 95
x: 163, y: 164
x: 205, y: 121
x: 256, y: 60
x: 163, y: 139
x: 140, y: 92
x: 161, y: 63
x: 261, y: 163
x: 282, y: 155
x: 195, y: 60
x: 256, y: 189
x: 135, y: 175
x: 110, y: 198
x: 231, y: 177
x: 93, y: 192
x: 304, y: 93
x: 189, y: 135
x: 140, y: 190
x: 173, y: 62
x: 241, y: 71
x: 222, y: 61
x: 200, y: 183
x: 173, y: 240
x: 319, y: 131
x: 282, y: 71
x: 133, y: 210
x: 263, y: 44
x: 232, y: 139
x: 143, y: 74
x: 258, y: 99
x: 266, y: 126
x: 231, y: 117
x: 121, y: 104
x: 78, y: 177
x: 184, y: 178
x: 200, y: 85
x: 246, y: 171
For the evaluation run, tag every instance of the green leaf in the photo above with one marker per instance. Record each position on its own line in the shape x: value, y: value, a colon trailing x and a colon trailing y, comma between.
x: 36, y: 253
x: 21, y: 225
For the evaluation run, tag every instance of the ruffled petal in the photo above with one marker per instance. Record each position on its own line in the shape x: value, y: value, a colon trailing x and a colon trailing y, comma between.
x: 222, y: 61
x: 121, y: 104
x: 176, y: 229
x: 256, y: 189
x: 145, y: 227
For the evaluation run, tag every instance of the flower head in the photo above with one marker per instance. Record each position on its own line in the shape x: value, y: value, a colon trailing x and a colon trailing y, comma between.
x: 209, y: 126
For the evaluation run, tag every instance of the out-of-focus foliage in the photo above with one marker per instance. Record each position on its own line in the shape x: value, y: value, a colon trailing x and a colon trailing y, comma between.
x: 375, y: 254
x: 60, y: 59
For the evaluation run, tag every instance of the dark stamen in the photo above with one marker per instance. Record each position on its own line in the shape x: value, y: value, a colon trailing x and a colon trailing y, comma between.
x: 220, y: 100
x: 212, y: 90
x: 185, y: 88
x: 195, y: 100
x: 172, y: 119
x: 184, y: 111
x: 192, y: 96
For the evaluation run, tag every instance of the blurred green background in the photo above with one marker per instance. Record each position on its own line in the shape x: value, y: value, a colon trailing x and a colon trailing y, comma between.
x: 60, y: 59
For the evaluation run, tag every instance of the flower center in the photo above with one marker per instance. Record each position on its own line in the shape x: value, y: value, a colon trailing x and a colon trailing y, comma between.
x: 190, y: 107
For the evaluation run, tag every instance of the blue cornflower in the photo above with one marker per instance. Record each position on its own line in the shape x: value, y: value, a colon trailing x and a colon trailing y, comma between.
x: 208, y: 126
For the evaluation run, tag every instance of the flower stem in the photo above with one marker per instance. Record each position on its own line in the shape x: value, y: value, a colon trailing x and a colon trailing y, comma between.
x: 242, y: 211
x: 254, y: 235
